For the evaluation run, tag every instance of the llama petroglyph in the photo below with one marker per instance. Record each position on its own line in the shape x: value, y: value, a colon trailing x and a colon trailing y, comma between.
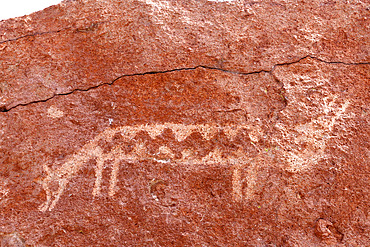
x: 130, y: 148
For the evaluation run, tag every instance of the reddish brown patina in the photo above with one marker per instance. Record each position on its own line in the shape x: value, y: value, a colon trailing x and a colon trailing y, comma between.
x: 185, y: 123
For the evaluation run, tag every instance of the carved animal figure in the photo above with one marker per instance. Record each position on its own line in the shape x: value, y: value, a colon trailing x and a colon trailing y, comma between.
x: 118, y: 153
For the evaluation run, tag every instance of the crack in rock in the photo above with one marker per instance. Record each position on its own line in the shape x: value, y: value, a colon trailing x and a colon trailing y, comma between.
x: 5, y: 109
x: 34, y: 34
x: 88, y: 28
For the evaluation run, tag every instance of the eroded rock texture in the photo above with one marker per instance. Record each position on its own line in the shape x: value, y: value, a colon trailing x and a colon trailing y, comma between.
x: 186, y: 123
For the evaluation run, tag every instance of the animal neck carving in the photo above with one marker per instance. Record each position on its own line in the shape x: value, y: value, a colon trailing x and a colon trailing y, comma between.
x: 164, y: 143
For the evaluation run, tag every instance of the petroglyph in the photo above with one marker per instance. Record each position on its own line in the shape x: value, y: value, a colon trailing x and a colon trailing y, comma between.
x: 311, y: 138
x: 237, y: 184
x: 128, y: 144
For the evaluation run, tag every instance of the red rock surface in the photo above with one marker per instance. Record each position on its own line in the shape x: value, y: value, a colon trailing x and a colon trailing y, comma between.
x: 186, y: 123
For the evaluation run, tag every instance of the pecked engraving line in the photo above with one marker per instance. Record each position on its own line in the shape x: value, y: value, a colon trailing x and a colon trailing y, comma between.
x: 92, y: 150
x: 231, y: 145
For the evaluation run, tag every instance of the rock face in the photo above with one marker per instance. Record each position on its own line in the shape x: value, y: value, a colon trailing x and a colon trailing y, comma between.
x: 186, y: 123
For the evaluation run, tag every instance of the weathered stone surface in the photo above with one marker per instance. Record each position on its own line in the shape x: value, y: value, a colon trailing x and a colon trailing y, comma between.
x: 12, y: 240
x: 80, y: 44
x: 186, y: 123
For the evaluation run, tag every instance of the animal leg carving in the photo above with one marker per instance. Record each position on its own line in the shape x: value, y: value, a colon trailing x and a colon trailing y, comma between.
x: 52, y: 197
x: 237, y: 183
x: 98, y: 173
x: 113, y: 177
x: 63, y: 175
x: 62, y: 184
x: 45, y: 184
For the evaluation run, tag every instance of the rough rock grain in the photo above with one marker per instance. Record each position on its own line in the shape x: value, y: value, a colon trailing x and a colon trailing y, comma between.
x: 186, y: 123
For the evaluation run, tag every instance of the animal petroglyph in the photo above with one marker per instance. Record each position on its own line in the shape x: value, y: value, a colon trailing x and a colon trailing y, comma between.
x: 308, y: 140
x: 181, y: 144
